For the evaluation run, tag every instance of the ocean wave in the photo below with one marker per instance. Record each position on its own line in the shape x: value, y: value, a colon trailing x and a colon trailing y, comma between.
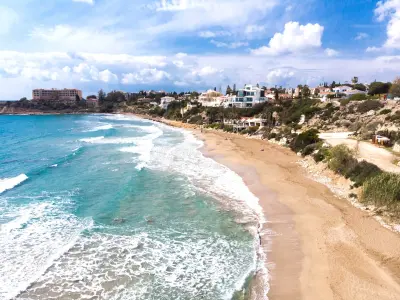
x: 149, y: 264
x: 215, y: 179
x: 37, y: 235
x: 101, y: 127
x: 143, y: 149
x: 9, y: 183
x: 92, y: 140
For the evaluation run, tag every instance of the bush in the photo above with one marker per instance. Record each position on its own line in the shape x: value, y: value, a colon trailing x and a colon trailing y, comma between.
x: 362, y: 171
x: 228, y: 128
x: 385, y: 111
x: 358, y: 97
x: 253, y: 129
x: 321, y: 155
x: 341, y: 160
x: 196, y: 120
x: 304, y: 139
x: 383, y: 190
x: 368, y: 105
x: 272, y: 135
x: 344, y: 102
x: 310, y: 149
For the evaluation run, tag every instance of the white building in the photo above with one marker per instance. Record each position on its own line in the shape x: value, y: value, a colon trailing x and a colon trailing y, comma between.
x: 247, y: 97
x: 165, y: 101
x: 210, y: 98
x: 342, y: 89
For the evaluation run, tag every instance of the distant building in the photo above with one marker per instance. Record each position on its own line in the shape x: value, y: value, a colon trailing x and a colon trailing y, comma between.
x: 342, y: 89
x: 92, y: 101
x: 247, y: 97
x: 210, y: 98
x: 165, y: 101
x: 66, y: 96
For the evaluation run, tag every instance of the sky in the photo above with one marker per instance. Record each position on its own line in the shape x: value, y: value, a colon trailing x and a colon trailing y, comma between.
x: 182, y: 45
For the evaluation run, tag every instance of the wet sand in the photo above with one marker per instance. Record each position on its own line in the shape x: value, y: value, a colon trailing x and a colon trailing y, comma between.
x: 318, y: 245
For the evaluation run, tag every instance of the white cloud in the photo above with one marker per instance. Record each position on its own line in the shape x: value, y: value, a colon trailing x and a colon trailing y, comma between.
x: 389, y: 59
x: 195, y: 15
x: 233, y: 45
x: 373, y: 49
x: 125, y: 59
x: 213, y: 34
x: 278, y: 76
x: 91, y: 2
x: 181, y: 55
x: 8, y: 19
x: 390, y: 9
x: 107, y: 76
x: 331, y: 52
x: 208, y: 70
x: 68, y: 38
x: 254, y: 29
x: 361, y: 36
x: 145, y: 76
x: 66, y: 69
x: 295, y: 38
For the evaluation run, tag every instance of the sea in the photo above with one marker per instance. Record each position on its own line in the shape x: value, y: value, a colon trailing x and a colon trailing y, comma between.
x: 117, y: 207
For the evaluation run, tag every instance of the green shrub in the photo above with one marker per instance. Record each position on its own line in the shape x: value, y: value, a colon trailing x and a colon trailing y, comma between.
x: 368, y: 105
x: 304, y: 139
x: 272, y: 135
x: 358, y: 97
x: 362, y: 171
x: 341, y: 160
x: 383, y: 190
x: 344, y: 102
x: 196, y: 120
x: 252, y: 129
x: 385, y: 111
x: 228, y: 128
x: 321, y: 155
x: 310, y: 149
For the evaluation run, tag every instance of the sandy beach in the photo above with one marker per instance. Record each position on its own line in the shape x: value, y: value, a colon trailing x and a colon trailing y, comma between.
x: 318, y: 245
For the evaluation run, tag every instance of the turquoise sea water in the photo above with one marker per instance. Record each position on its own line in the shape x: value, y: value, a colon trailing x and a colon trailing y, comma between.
x: 113, y: 207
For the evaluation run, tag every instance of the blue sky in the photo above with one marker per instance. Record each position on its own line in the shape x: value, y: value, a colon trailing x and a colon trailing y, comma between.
x: 194, y: 44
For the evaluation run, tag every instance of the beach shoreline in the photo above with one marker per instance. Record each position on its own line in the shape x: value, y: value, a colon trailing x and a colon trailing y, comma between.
x: 318, y: 245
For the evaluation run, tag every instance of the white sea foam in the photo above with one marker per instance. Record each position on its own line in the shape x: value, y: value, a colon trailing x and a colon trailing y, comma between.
x: 149, y: 264
x: 92, y: 140
x: 101, y: 127
x: 37, y: 235
x: 9, y: 183
x: 213, y: 178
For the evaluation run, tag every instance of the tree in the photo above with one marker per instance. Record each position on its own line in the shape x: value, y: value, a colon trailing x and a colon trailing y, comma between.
x: 354, y: 80
x: 377, y: 88
x: 258, y: 85
x: 215, y: 89
x: 316, y: 92
x: 23, y: 99
x: 234, y: 87
x: 333, y: 85
x: 360, y: 87
x: 102, y: 96
x: 395, y: 88
x: 228, y: 90
x: 306, y: 92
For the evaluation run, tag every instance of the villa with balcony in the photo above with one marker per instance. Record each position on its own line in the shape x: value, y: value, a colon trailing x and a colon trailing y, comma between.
x: 247, y: 97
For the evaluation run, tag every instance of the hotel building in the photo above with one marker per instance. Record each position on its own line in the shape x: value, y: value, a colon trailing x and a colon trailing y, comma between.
x: 66, y: 96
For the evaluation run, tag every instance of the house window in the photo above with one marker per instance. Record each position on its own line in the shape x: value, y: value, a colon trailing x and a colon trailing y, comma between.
x: 249, y: 105
x: 249, y: 99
